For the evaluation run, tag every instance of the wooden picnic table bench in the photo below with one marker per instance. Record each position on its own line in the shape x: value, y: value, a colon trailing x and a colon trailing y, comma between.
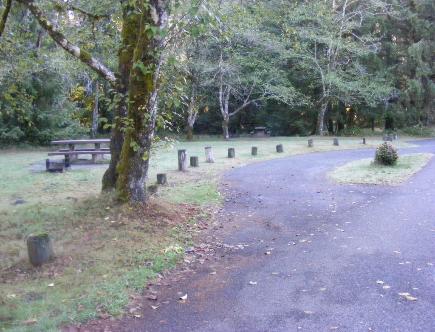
x: 72, y: 152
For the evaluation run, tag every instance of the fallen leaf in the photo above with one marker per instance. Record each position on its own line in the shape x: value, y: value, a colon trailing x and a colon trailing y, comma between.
x: 408, y: 296
x: 30, y: 322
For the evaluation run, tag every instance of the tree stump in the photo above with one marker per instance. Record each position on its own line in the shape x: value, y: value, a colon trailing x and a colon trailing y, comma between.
x: 279, y: 148
x: 161, y: 179
x: 182, y: 160
x: 336, y: 143
x: 254, y: 151
x: 310, y: 143
x: 39, y: 249
x: 231, y: 153
x: 194, y: 162
x: 364, y: 141
x: 209, y: 155
x: 55, y: 166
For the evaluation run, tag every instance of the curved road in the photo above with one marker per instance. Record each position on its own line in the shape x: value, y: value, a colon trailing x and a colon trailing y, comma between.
x: 311, y: 255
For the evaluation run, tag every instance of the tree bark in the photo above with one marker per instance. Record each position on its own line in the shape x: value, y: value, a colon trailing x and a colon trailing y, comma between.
x: 189, y: 132
x: 192, y: 113
x: 142, y: 103
x: 4, y: 16
x: 321, y: 119
x: 225, y: 128
x: 94, y: 127
x: 131, y: 23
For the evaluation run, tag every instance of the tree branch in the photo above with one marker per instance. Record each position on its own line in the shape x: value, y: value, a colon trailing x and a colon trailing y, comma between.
x: 5, y: 15
x: 72, y: 49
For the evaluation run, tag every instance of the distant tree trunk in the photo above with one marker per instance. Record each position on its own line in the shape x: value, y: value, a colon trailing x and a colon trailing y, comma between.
x: 192, y: 113
x: 94, y: 127
x: 321, y: 118
x: 225, y: 128
x: 142, y: 103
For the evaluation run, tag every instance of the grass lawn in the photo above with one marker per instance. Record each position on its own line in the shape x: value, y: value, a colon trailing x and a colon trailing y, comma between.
x: 106, y: 252
x: 367, y: 172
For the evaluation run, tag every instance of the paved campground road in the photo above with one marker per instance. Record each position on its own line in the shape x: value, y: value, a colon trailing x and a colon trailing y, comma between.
x: 313, y: 255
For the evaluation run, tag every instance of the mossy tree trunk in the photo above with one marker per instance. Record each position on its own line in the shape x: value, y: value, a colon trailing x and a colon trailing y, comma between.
x: 130, y: 30
x: 142, y: 102
x: 136, y: 85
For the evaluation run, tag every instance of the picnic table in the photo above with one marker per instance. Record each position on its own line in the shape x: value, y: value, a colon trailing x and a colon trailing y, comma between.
x: 260, y: 132
x: 74, y: 149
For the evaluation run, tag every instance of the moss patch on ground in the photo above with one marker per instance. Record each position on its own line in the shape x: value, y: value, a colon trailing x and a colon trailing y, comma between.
x: 367, y: 172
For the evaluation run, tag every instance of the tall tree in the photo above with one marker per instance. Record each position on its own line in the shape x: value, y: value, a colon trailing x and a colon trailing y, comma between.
x: 326, y: 41
x: 136, y: 85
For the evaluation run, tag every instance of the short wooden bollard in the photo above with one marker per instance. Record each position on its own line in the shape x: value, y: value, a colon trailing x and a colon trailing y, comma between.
x: 336, y: 143
x: 209, y: 155
x: 54, y: 166
x: 310, y: 143
x: 231, y: 153
x: 194, y: 162
x: 182, y: 160
x: 161, y: 178
x: 254, y: 151
x: 39, y: 249
x: 364, y: 141
x: 279, y: 148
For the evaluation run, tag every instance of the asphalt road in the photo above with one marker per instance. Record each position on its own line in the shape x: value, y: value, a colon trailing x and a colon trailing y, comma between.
x: 312, y: 255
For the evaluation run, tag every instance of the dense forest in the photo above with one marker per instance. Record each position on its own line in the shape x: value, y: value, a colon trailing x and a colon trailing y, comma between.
x: 73, y: 68
x: 296, y: 67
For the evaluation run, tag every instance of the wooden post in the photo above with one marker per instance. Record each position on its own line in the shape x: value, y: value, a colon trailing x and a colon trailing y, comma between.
x: 209, y: 155
x: 254, y: 151
x: 73, y: 156
x: 161, y: 178
x: 231, y: 153
x: 194, y: 161
x: 364, y: 141
x: 310, y: 143
x: 39, y: 249
x: 182, y: 160
x: 54, y: 166
x: 336, y: 143
x: 97, y: 157
x: 279, y: 148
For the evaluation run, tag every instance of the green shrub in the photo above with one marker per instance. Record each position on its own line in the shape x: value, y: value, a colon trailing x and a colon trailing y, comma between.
x: 386, y: 154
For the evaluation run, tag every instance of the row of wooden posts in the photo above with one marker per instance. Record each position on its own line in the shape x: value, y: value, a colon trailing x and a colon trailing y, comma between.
x: 194, y: 160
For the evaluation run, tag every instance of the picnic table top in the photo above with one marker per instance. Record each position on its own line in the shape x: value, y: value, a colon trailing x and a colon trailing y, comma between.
x: 81, y: 141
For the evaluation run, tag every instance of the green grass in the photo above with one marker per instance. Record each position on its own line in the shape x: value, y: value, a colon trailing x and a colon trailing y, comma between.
x: 100, y: 263
x: 367, y: 172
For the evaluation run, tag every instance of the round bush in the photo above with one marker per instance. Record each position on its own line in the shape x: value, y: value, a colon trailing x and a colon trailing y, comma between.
x: 386, y: 154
